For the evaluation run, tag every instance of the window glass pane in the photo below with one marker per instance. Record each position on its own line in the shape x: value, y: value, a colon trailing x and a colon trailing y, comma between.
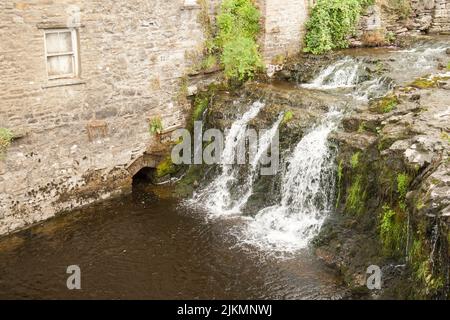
x: 65, y: 41
x: 58, y: 42
x: 60, y: 65
x: 52, y: 42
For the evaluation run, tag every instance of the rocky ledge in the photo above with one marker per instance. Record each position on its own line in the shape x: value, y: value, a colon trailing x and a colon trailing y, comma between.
x: 393, y: 202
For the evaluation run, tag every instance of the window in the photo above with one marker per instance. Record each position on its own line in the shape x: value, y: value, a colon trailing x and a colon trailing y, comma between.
x: 61, y: 53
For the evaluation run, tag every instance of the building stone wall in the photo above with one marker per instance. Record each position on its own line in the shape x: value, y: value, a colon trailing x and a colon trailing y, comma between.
x: 425, y: 16
x: 284, y: 26
x: 132, y: 59
x: 441, y: 16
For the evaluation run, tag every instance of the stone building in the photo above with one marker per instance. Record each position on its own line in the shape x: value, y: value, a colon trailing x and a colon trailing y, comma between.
x: 108, y: 66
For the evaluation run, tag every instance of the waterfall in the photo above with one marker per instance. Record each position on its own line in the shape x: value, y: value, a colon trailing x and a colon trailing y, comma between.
x: 218, y: 198
x: 307, y: 194
x: 346, y: 74
x: 342, y: 74
x: 420, y: 57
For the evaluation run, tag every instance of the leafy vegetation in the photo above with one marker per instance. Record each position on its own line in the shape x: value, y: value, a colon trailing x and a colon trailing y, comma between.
x: 403, y: 181
x: 354, y: 161
x: 356, y: 196
x: 155, y: 126
x: 386, y: 104
x: 6, y: 136
x: 392, y: 231
x: 331, y: 23
x: 421, y: 265
x: 288, y: 116
x: 238, y: 24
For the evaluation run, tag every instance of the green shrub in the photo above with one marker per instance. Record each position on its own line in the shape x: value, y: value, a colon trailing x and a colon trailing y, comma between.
x: 331, y: 23
x: 155, y: 126
x: 238, y: 24
x: 6, y: 136
x: 241, y: 58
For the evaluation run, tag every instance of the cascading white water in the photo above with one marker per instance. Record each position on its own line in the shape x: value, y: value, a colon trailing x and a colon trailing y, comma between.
x: 345, y: 74
x: 342, y: 74
x: 421, y: 58
x: 307, y: 193
x: 217, y: 198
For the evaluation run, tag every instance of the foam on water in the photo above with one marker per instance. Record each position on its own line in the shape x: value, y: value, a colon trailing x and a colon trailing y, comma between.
x: 307, y: 195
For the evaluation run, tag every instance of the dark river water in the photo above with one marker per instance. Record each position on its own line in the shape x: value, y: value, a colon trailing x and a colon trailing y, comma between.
x: 148, y: 246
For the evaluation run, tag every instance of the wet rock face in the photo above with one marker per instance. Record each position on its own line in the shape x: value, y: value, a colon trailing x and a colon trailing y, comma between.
x: 394, y: 189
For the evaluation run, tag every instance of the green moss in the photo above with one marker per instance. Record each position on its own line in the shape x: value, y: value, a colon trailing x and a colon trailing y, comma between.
x: 356, y: 196
x: 421, y: 265
x: 423, y: 83
x: 166, y: 167
x: 362, y: 127
x: 354, y: 161
x: 288, y: 116
x: 340, y: 175
x: 6, y: 136
x: 448, y: 66
x: 388, y: 104
x: 430, y: 82
x: 403, y: 181
x: 385, y: 104
x: 420, y: 205
x: 200, y: 105
x: 393, y: 232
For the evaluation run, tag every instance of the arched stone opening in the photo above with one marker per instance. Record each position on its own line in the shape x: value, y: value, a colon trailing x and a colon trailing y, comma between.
x: 144, y: 176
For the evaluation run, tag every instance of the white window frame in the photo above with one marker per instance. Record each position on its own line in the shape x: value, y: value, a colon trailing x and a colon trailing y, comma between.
x: 73, y: 53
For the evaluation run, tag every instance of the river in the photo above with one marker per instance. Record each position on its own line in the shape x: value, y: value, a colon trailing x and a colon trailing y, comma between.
x: 145, y: 246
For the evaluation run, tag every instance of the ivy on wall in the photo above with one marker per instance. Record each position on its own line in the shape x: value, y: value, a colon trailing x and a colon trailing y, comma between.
x: 331, y: 23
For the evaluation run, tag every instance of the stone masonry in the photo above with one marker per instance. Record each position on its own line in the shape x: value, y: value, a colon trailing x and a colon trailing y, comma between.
x: 284, y: 22
x: 132, y: 62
